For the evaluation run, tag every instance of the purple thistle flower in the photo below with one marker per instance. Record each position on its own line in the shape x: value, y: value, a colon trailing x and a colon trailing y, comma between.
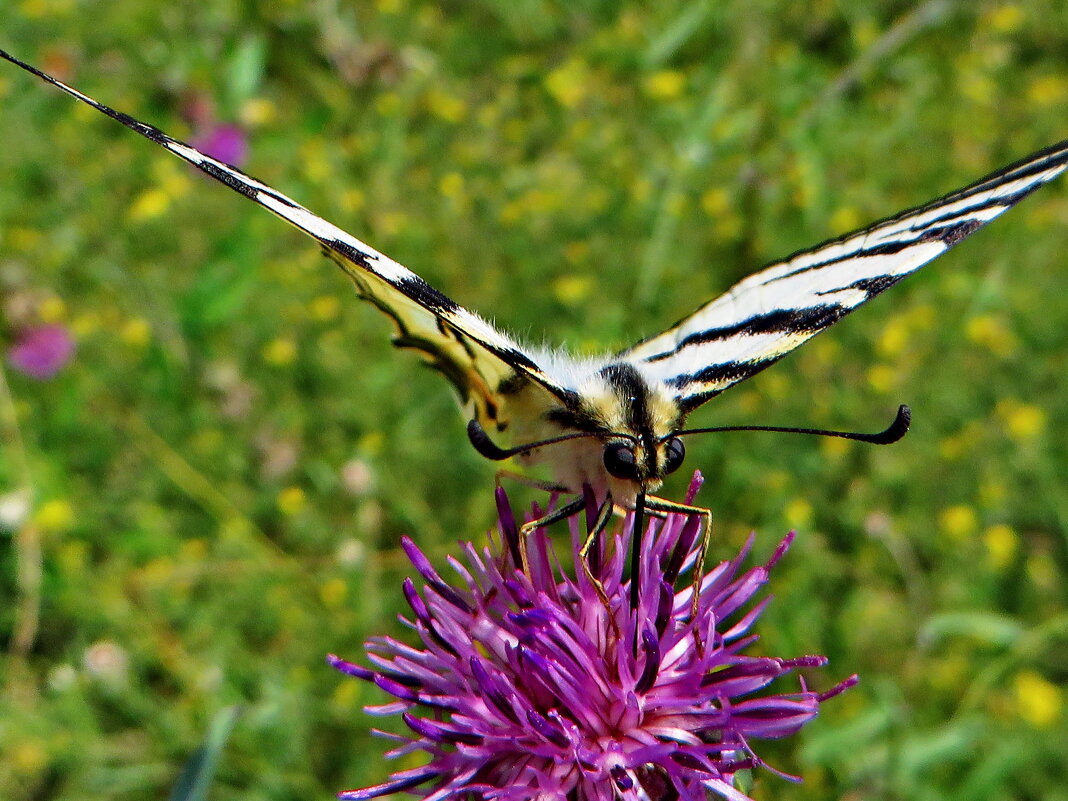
x: 533, y: 688
x: 226, y: 143
x: 41, y: 351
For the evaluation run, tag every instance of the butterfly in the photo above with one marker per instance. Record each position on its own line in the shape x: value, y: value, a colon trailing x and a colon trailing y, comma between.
x: 615, y: 423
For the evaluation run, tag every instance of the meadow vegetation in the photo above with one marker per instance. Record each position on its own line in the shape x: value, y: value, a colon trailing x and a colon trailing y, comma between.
x: 216, y: 483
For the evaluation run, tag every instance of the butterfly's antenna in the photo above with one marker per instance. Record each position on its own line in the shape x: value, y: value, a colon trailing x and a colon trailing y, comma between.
x: 486, y: 447
x: 893, y: 433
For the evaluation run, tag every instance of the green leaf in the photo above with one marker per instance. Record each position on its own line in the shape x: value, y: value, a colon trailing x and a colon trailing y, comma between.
x: 245, y: 70
x: 986, y: 627
x: 192, y: 784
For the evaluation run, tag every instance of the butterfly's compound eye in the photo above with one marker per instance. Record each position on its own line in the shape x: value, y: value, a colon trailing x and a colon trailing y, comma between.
x: 619, y: 461
x: 674, y: 453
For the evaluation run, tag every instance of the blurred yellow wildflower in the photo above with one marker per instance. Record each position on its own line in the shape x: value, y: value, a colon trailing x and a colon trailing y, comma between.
x: 194, y: 549
x: 83, y: 113
x: 798, y: 514
x: 1038, y: 701
x: 630, y: 26
x: 845, y: 218
x: 353, y: 200
x: 958, y: 522
x: 1001, y: 542
x: 451, y: 185
x: 577, y: 252
x: 55, y: 515
x: 28, y: 758
x: 157, y: 573
x: 235, y: 527
x: 72, y: 558
x: 257, y: 111
x: 444, y: 106
x: 641, y: 189
x: 1005, y: 18
x: 1043, y: 571
x: 150, y: 204
x: 325, y: 308
x: 346, y: 696
x: 333, y: 593
x: 172, y: 177
x: 371, y: 443
x: 834, y: 447
x: 39, y: 9
x: 977, y: 87
x: 572, y: 289
x: 85, y: 324
x: 882, y: 378
x: 665, y: 84
x: 1023, y: 421
x: 52, y: 309
x: 949, y: 672
x: 777, y: 386
x: 865, y: 33
x: 387, y: 104
x: 291, y: 500
x: 21, y: 238
x: 716, y: 202
x: 280, y: 352
x: 569, y: 83
x: 894, y: 337
x: 136, y: 332
x: 675, y: 204
x: 990, y: 332
x: 207, y: 441
x: 391, y: 222
x: 1048, y: 90
x: 315, y: 161
x: 511, y: 212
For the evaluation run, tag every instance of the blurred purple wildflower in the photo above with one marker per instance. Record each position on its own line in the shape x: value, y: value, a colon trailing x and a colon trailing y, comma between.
x: 41, y: 351
x: 534, y: 690
x: 226, y: 143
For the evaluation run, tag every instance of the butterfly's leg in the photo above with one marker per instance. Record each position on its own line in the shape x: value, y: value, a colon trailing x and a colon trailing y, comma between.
x: 529, y: 527
x: 662, y: 505
x: 604, y: 514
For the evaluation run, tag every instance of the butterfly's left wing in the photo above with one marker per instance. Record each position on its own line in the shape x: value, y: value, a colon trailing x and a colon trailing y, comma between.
x: 765, y: 316
x: 476, y: 357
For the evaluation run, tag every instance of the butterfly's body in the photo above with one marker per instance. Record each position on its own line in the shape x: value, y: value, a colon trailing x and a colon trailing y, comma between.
x: 615, y: 420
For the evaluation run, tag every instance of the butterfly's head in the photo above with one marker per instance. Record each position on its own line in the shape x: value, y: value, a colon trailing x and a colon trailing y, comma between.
x: 638, y: 418
x: 642, y: 463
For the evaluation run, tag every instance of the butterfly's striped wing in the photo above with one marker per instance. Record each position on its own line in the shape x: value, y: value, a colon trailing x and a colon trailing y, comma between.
x: 765, y: 316
x: 477, y: 358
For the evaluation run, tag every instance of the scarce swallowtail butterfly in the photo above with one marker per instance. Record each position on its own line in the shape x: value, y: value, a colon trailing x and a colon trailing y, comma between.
x: 614, y: 423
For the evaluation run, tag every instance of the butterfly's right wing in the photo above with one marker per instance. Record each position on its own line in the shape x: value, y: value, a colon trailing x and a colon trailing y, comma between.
x: 765, y: 316
x: 477, y: 358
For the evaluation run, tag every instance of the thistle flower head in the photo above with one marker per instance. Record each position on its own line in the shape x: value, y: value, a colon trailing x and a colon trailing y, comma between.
x: 532, y: 686
x: 41, y: 351
x: 227, y: 143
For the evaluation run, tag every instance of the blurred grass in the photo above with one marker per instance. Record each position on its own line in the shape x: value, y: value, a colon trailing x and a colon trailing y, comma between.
x: 220, y: 478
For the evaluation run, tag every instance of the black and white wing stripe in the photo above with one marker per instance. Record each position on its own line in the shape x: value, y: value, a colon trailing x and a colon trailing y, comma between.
x: 765, y: 316
x: 470, y: 352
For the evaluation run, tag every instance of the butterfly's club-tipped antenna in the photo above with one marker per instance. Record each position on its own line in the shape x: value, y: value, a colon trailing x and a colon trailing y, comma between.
x: 891, y: 434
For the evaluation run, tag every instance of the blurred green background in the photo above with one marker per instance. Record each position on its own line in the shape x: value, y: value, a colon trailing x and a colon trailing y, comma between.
x: 220, y: 476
